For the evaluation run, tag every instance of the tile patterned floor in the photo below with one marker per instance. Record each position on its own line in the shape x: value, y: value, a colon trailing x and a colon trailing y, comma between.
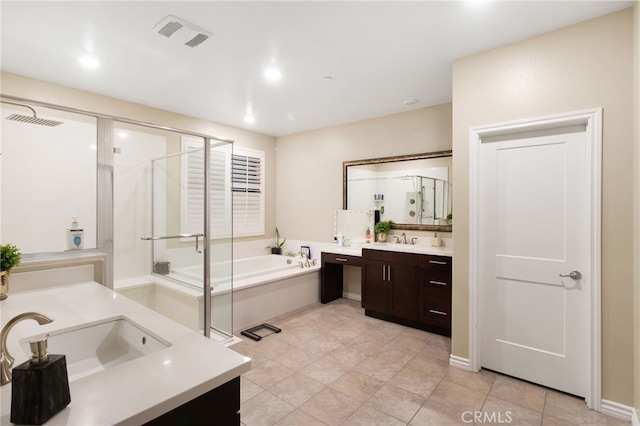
x: 332, y: 365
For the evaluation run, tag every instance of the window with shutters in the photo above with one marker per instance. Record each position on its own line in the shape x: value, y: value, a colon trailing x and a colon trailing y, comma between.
x: 236, y: 191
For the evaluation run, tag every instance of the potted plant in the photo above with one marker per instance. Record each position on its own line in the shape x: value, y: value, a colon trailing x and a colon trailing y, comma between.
x: 10, y: 257
x: 450, y: 218
x: 381, y: 229
x: 277, y: 249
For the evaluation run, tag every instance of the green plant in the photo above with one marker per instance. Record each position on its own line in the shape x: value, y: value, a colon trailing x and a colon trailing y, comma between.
x: 279, y: 244
x: 10, y: 257
x: 450, y: 216
x: 383, y: 227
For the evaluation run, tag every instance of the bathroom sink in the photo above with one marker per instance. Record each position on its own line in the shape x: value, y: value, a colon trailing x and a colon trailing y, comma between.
x: 94, y: 347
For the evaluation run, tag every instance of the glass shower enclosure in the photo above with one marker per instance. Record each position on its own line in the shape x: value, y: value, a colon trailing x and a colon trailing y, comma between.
x: 192, y: 230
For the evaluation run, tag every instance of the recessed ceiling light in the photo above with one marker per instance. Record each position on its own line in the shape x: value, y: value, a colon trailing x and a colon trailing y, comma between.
x: 410, y: 102
x: 89, y: 62
x: 249, y: 119
x: 272, y: 74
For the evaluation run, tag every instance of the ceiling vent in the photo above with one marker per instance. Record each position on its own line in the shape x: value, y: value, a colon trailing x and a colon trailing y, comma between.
x: 181, y: 31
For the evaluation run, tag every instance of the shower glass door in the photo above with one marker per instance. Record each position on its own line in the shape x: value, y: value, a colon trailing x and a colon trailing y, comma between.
x: 179, y: 194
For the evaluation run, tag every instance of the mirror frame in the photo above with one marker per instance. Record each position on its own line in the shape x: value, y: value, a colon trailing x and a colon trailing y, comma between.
x: 403, y: 226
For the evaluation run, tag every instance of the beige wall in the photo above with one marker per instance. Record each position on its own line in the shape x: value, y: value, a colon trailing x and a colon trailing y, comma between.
x: 636, y: 192
x: 310, y: 163
x: 37, y: 90
x: 583, y: 66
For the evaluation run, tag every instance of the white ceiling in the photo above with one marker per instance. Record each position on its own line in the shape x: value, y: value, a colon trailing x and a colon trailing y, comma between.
x: 379, y: 53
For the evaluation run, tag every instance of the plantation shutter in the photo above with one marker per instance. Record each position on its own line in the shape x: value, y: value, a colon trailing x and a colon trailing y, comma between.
x: 247, y: 187
x: 235, y: 178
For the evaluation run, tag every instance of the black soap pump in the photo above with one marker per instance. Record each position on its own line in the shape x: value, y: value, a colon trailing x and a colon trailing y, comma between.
x: 40, y: 386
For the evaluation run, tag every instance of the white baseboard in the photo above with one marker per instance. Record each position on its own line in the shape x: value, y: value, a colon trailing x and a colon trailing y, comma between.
x: 459, y: 362
x: 635, y: 418
x: 620, y: 411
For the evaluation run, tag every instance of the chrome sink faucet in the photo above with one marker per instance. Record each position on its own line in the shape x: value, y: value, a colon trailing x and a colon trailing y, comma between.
x: 6, y: 360
x: 404, y: 238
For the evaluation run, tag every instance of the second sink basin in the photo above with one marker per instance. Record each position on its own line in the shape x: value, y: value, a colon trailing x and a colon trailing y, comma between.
x: 98, y: 346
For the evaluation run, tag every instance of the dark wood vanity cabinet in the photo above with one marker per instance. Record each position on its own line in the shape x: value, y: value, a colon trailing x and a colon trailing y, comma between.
x: 406, y: 288
x: 435, y: 293
x: 390, y: 283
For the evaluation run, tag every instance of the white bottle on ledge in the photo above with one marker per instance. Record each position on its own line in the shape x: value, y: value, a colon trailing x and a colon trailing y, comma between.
x: 75, y: 236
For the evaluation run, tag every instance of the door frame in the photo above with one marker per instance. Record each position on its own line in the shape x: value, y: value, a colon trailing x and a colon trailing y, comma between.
x: 592, y: 119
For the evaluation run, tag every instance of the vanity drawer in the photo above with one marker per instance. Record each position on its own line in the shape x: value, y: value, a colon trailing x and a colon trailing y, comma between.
x: 341, y: 259
x: 407, y: 259
x: 435, y: 281
x: 436, y: 262
x: 436, y: 310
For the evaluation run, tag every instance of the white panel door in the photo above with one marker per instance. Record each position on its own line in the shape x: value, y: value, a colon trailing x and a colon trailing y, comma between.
x: 535, y: 217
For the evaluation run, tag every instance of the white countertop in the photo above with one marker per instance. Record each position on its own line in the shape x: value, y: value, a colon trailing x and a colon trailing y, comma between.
x: 356, y: 249
x: 134, y: 392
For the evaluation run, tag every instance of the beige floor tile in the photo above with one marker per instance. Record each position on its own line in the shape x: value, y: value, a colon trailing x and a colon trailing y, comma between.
x: 496, y: 410
x: 397, y: 402
x: 357, y: 385
x: 415, y: 381
x: 296, y: 358
x: 378, y: 368
x: 438, y: 350
x: 365, y: 346
x: 429, y: 365
x: 369, y: 416
x: 457, y: 396
x: 330, y: 406
x: 571, y: 410
x: 348, y: 356
x: 324, y: 370
x: 394, y: 354
x: 265, y: 409
x: 299, y: 418
x: 248, y: 389
x: 519, y: 392
x: 271, y: 346
x: 438, y: 415
x: 482, y: 380
x: 321, y: 344
x: 268, y: 374
x: 344, y: 336
x: 408, y: 341
x: 296, y: 389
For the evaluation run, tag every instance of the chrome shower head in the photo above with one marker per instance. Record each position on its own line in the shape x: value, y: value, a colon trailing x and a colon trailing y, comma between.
x: 33, y: 120
x: 30, y: 120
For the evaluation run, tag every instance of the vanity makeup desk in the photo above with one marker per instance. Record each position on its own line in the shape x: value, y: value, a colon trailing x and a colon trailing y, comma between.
x: 405, y: 284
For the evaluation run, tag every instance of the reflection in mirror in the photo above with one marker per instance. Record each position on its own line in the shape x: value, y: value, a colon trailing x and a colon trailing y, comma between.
x: 413, y: 191
x: 47, y: 177
x: 351, y: 226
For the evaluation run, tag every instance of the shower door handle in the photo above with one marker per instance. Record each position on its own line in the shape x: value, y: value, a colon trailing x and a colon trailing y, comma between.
x: 170, y: 237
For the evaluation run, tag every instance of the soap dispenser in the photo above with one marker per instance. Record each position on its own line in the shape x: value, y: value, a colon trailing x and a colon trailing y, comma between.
x: 75, y: 236
x: 40, y: 386
x: 435, y: 240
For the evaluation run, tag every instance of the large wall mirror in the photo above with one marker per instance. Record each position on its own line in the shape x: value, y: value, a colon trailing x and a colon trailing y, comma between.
x: 414, y: 191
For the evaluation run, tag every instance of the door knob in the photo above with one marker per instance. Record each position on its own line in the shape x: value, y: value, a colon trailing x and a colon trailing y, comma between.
x: 574, y: 275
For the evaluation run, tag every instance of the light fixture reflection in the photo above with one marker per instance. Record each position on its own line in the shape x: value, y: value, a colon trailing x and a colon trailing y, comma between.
x: 272, y: 74
x: 89, y: 62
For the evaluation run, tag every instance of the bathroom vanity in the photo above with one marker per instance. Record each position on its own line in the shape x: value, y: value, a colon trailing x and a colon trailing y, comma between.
x: 157, y: 372
x: 406, y: 284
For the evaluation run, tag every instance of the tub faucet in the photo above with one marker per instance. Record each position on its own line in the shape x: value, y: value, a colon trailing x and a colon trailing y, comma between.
x: 306, y: 259
x: 6, y: 360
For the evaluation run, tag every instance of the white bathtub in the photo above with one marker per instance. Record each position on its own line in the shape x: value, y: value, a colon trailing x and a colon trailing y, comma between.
x: 264, y: 287
x: 247, y: 272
